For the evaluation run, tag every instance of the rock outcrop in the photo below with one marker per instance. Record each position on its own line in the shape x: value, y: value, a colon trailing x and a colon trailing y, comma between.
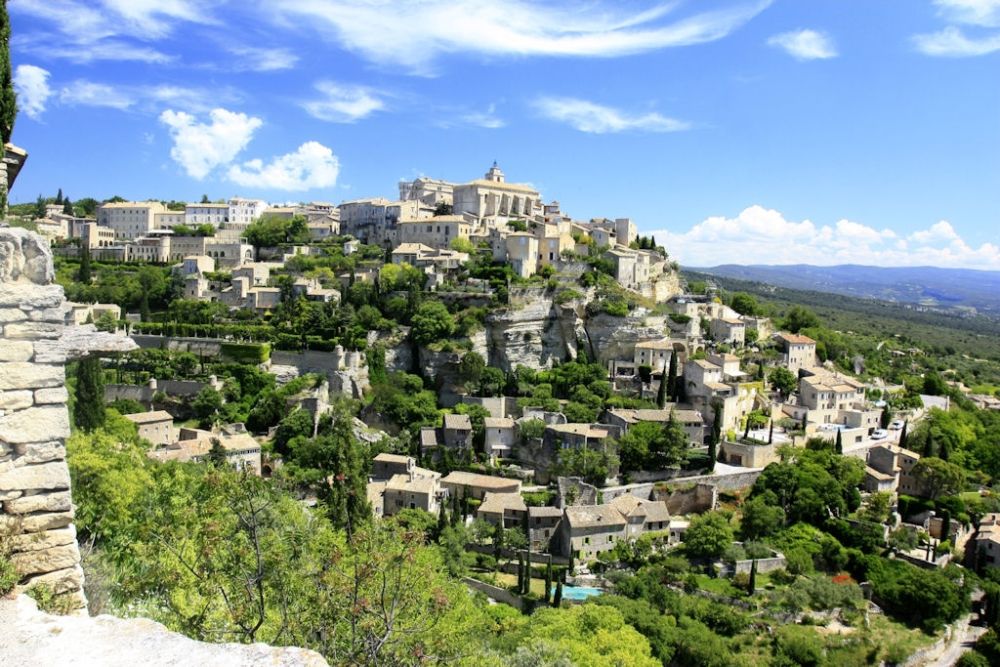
x: 31, y: 638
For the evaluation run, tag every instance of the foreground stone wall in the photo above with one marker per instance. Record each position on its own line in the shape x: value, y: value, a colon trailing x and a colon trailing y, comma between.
x: 37, y: 515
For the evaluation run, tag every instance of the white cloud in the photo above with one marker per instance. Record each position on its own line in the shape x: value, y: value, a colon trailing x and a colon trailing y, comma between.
x: 597, y: 119
x: 86, y: 53
x: 487, y: 119
x: 414, y: 34
x: 201, y: 147
x: 313, y: 165
x: 951, y: 41
x: 984, y: 13
x: 32, y: 86
x: 805, y: 44
x: 764, y: 236
x: 262, y: 59
x: 343, y: 103
x: 91, y: 94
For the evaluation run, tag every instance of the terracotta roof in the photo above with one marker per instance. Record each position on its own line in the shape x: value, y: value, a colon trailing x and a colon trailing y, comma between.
x: 795, y: 339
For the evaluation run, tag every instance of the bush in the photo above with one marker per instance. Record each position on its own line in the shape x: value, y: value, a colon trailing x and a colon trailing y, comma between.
x: 8, y: 576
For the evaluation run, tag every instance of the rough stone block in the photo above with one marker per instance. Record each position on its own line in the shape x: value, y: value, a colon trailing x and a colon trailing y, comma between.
x: 35, y: 523
x: 40, y: 424
x: 46, y: 476
x: 43, y: 540
x: 16, y: 350
x: 46, y: 560
x: 15, y: 400
x: 9, y: 495
x: 59, y: 501
x: 51, y: 395
x: 37, y: 296
x: 9, y: 315
x: 61, y: 581
x: 27, y: 375
x: 32, y: 330
x: 50, y: 352
x: 56, y: 315
x: 38, y: 452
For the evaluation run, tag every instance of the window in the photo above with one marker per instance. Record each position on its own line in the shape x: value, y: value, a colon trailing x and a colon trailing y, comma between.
x: 586, y: 540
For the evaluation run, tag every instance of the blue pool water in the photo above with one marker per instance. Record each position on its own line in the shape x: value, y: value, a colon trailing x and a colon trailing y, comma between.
x: 579, y: 592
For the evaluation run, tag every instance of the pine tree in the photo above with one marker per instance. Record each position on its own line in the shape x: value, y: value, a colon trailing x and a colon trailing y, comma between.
x: 752, y: 585
x: 88, y: 410
x: 8, y: 98
x: 84, y: 275
x: 840, y: 442
x: 661, y: 393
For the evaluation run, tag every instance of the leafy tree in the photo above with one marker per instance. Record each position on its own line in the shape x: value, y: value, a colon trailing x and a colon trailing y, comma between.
x: 762, y: 517
x: 798, y: 318
x: 783, y: 381
x: 217, y: 453
x: 206, y: 405
x: 744, y: 304
x: 708, y: 536
x: 88, y: 408
x: 470, y: 370
x: 432, y: 322
x: 937, y: 478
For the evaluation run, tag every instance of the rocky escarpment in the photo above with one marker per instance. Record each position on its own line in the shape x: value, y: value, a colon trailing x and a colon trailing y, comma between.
x: 533, y: 334
x: 31, y: 638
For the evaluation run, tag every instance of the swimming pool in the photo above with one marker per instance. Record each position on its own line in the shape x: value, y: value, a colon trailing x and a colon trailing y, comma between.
x: 580, y: 592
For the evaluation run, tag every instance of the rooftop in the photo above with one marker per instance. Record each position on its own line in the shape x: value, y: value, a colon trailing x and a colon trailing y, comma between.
x: 461, y: 478
x: 594, y: 516
x: 150, y: 417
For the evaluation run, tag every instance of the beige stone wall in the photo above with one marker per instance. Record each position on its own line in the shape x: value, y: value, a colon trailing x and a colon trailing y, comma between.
x: 37, y: 512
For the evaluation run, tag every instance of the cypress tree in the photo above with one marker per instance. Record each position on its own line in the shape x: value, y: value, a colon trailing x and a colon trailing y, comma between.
x: 752, y: 585
x: 59, y: 197
x: 805, y: 420
x: 672, y: 377
x: 144, y: 306
x: 88, y: 411
x: 8, y: 98
x: 442, y: 520
x: 557, y: 600
x: 945, y: 525
x: 840, y: 442
x: 497, y: 541
x: 770, y: 433
x: 661, y: 393
x: 746, y: 431
x: 68, y: 207
x: 902, y: 435
x: 520, y: 573
x: 548, y: 580
x: 886, y: 417
x: 929, y: 445
x: 84, y: 275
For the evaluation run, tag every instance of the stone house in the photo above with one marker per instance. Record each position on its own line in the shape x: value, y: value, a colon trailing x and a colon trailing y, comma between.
x: 500, y: 436
x: 242, y: 450
x: 586, y: 531
x: 476, y: 486
x: 727, y: 330
x: 156, y: 426
x: 988, y: 541
x: 797, y: 351
x: 577, y: 436
x: 543, y: 525
x: 456, y: 431
x: 505, y: 507
x: 691, y: 420
x: 641, y: 516
x: 411, y: 491
x: 749, y: 455
x: 897, y: 462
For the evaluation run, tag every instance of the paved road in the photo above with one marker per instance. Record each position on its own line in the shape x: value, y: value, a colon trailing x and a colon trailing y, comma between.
x: 963, y: 639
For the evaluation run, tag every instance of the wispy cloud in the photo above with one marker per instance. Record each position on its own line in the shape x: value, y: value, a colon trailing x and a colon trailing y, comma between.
x: 984, y: 13
x: 414, y: 34
x: 312, y: 166
x: 768, y: 237
x: 200, y: 147
x: 458, y: 117
x: 805, y: 44
x: 597, y: 119
x: 148, y: 99
x: 262, y: 59
x: 343, y: 103
x: 32, y: 85
x: 951, y: 41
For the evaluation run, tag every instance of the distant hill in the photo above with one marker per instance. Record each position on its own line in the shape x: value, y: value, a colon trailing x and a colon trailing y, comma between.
x: 944, y: 289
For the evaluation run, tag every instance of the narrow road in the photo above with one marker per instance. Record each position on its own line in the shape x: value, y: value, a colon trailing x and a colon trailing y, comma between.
x: 962, y: 640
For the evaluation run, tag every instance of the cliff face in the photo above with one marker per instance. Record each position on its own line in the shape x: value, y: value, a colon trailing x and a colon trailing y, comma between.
x: 533, y: 335
x: 32, y: 638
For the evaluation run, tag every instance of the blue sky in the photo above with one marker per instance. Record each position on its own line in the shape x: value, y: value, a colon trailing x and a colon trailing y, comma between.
x: 748, y: 131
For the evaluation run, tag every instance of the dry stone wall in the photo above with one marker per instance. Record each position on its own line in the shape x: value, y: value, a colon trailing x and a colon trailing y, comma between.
x: 36, y: 521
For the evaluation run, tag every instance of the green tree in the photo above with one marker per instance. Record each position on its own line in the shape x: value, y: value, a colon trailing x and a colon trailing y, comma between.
x: 84, y: 275
x: 761, y: 518
x: 217, y: 453
x: 708, y: 536
x: 68, y: 207
x: 937, y: 478
x: 661, y: 393
x: 783, y: 380
x: 672, y: 379
x: 8, y: 98
x: 432, y: 322
x: 744, y: 304
x: 798, y: 318
x: 206, y: 405
x: 470, y: 370
x: 88, y: 408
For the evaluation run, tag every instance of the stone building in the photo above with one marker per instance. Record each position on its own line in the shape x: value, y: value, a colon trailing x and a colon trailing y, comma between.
x: 492, y: 197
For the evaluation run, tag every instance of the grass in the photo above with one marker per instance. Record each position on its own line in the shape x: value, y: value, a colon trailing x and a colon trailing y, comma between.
x: 510, y: 581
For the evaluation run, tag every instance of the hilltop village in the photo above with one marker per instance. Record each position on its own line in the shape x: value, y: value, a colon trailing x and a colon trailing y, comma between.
x: 545, y: 398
